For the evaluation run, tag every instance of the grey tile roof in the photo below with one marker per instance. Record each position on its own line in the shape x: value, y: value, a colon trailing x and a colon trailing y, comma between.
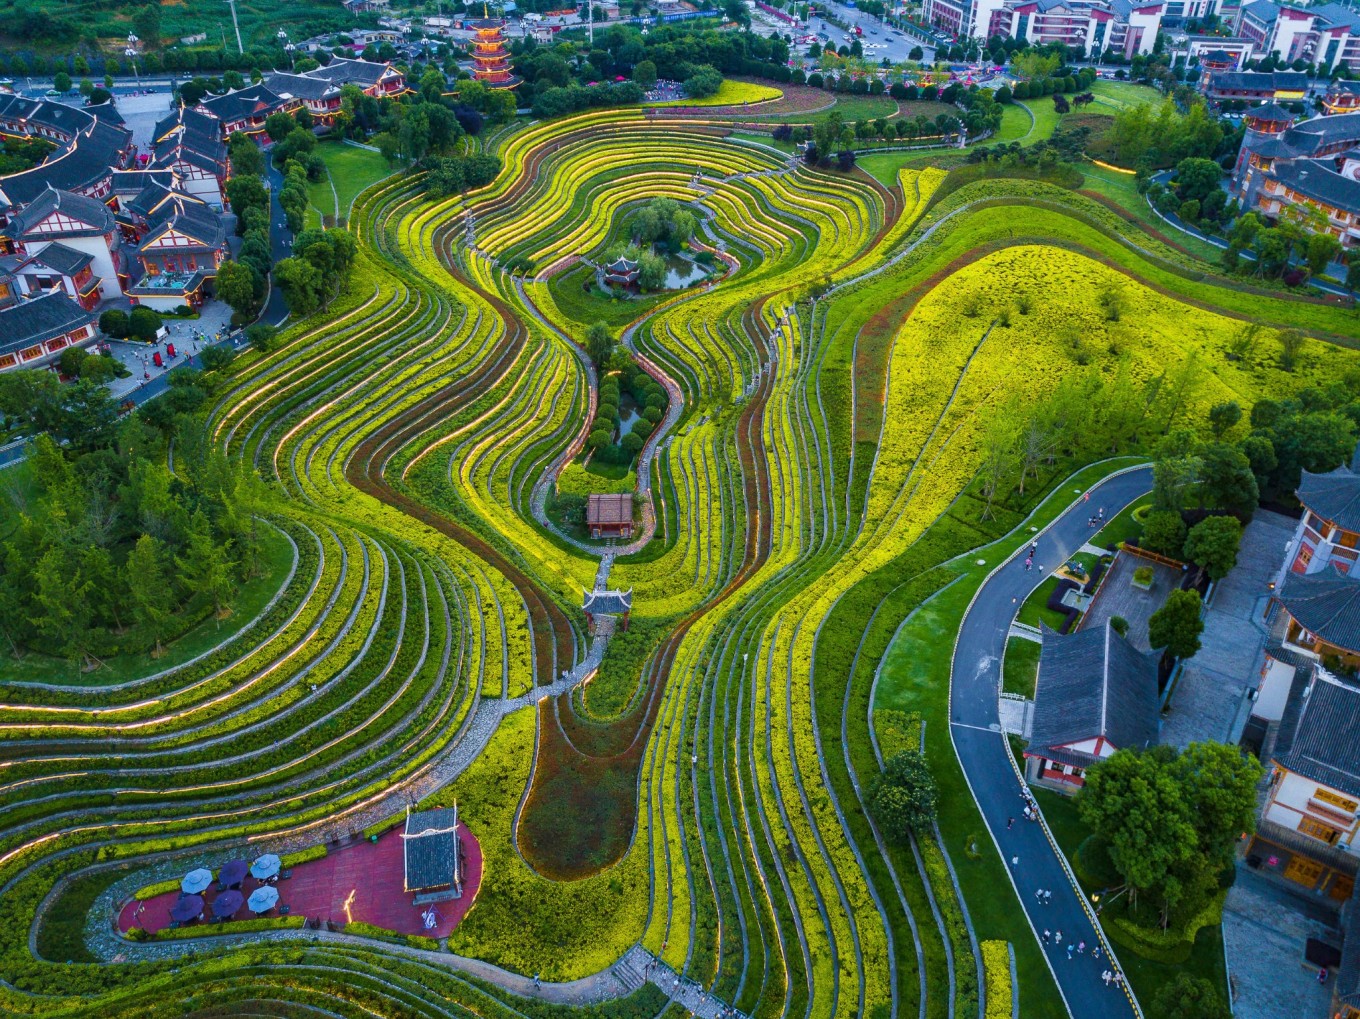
x: 608, y: 603
x: 342, y: 71
x: 1258, y: 81
x: 1315, y: 179
x: 189, y: 216
x: 1311, y: 135
x: 1347, y: 86
x: 94, y: 151
x: 1093, y: 683
x: 1326, y: 604
x: 251, y: 101
x: 132, y: 182
x: 1320, y: 734
x: 38, y: 319
x: 300, y: 86
x: 94, y: 216
x: 1269, y: 111
x: 1334, y: 496
x: 1334, y: 14
x: 60, y: 258
x: 432, y: 854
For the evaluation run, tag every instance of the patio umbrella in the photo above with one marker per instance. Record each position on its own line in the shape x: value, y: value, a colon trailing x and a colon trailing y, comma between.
x: 265, y: 867
x: 232, y: 873
x: 227, y: 903
x: 187, y: 908
x: 196, y: 881
x: 262, y: 899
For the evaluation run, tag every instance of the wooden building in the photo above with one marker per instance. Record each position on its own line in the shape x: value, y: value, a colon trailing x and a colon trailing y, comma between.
x: 610, y: 516
x: 432, y: 855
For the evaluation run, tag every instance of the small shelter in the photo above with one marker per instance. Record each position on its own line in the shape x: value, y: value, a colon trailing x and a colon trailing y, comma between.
x: 433, y: 855
x: 621, y: 272
x: 607, y: 603
x: 610, y: 516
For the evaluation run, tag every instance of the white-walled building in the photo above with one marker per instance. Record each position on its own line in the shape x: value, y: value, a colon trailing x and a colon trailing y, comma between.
x: 1307, y: 832
x: 1095, y: 26
x: 84, y: 224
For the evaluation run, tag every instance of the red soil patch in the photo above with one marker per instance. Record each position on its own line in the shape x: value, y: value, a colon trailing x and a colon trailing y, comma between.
x: 370, y: 871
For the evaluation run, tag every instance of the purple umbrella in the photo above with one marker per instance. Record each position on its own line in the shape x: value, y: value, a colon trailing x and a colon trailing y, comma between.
x: 188, y: 908
x: 232, y: 873
x: 227, y: 903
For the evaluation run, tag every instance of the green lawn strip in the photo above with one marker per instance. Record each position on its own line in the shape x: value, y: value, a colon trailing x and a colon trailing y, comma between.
x: 1034, y: 610
x: 1020, y: 667
x: 276, y: 556
x: 352, y: 169
x: 322, y: 200
x: 883, y: 166
x: 1120, y: 95
x: 1146, y: 976
x: 1046, y: 119
x: 914, y: 676
x: 1122, y: 527
x: 1120, y: 188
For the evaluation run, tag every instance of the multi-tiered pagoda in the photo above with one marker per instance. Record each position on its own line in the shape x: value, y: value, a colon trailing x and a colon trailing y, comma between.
x: 490, y: 55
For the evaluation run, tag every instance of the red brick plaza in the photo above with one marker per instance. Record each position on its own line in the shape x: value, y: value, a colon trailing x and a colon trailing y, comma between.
x: 367, y: 876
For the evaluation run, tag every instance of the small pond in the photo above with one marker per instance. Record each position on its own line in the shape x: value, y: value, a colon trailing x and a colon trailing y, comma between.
x: 628, y: 412
x: 681, y: 272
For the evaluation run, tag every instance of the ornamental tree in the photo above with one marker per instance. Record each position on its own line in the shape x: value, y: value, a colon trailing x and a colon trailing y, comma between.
x: 904, y: 798
x: 1190, y: 997
x: 1212, y: 545
x: 1176, y: 626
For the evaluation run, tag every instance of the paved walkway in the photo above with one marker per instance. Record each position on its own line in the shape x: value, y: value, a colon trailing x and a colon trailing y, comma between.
x: 1264, y: 932
x: 990, y: 769
x: 1209, y: 701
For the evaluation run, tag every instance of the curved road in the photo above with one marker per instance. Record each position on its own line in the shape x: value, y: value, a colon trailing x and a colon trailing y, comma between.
x: 985, y: 755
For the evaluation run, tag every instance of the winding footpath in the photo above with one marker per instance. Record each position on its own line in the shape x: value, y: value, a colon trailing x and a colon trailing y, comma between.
x: 992, y: 775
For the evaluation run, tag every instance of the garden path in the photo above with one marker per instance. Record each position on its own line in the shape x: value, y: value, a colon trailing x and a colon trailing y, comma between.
x: 1033, y: 858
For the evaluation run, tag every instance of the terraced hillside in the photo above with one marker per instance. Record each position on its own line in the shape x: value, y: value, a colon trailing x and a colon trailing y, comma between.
x: 675, y: 814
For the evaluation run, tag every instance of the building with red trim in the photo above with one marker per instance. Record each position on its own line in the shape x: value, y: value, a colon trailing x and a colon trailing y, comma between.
x: 1094, y: 26
x: 1095, y: 693
x: 35, y: 330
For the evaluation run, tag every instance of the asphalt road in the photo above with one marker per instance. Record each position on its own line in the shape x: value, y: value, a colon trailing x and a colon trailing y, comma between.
x: 986, y: 758
x: 275, y: 310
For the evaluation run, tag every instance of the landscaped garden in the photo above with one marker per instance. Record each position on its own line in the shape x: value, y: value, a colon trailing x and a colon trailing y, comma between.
x: 895, y: 378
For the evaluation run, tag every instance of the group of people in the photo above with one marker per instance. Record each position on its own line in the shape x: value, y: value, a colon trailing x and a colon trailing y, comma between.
x: 1029, y: 556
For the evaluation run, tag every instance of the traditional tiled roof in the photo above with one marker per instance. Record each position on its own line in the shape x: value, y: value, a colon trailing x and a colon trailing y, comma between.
x: 93, y: 215
x: 96, y: 149
x: 251, y: 101
x: 342, y: 71
x: 1320, y: 733
x: 1333, y: 496
x: 38, y: 319
x: 133, y: 182
x: 609, y: 510
x: 1310, y: 136
x: 188, y: 216
x: 1093, y: 683
x: 1344, y: 86
x: 1258, y: 81
x: 300, y: 86
x: 1316, y: 180
x: 1269, y: 111
x: 1326, y: 604
x: 59, y: 258
x: 432, y: 855
x: 608, y: 603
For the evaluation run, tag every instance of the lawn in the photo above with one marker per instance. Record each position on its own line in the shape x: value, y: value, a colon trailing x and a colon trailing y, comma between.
x: 1146, y: 977
x: 914, y: 677
x: 1122, y: 526
x: 350, y: 169
x: 1120, y: 189
x: 276, y: 558
x: 1035, y: 608
x: 1020, y: 667
x: 1119, y: 95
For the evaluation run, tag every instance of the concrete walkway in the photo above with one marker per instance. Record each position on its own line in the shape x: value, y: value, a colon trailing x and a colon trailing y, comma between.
x: 1209, y: 701
x: 1032, y: 857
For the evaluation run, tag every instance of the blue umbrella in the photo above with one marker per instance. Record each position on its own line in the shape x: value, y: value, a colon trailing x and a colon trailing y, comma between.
x: 262, y: 899
x: 265, y: 867
x: 188, y: 908
x: 227, y: 903
x: 196, y: 881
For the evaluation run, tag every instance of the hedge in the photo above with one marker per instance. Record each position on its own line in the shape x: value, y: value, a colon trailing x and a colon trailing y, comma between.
x: 996, y: 966
x: 1172, y: 947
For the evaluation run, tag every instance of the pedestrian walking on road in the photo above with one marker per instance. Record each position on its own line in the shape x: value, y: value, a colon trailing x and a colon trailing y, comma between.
x: 1039, y: 895
x: 1086, y: 497
x: 1047, y: 937
x: 1106, y: 977
x: 1009, y: 821
x: 1095, y: 952
x: 1033, y: 549
x: 1029, y: 565
x: 1081, y: 947
x: 1069, y: 951
x: 1057, y: 937
x: 1118, y: 979
x: 1015, y: 861
x: 1048, y: 896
